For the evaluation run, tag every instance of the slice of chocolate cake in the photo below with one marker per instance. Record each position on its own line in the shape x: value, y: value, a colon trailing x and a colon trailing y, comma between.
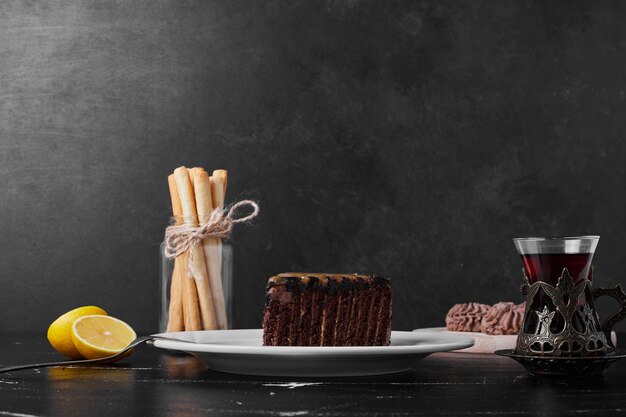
x: 306, y: 309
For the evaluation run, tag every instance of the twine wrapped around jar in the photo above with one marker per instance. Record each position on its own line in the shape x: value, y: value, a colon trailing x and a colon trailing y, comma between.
x: 180, y: 238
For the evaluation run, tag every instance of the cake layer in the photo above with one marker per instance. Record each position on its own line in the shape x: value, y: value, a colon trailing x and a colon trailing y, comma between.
x: 314, y: 309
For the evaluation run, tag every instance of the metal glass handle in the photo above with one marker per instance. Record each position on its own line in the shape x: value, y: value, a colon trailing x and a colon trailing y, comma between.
x: 618, y: 294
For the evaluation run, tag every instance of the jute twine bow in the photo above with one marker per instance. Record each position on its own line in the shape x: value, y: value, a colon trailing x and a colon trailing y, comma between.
x: 180, y: 238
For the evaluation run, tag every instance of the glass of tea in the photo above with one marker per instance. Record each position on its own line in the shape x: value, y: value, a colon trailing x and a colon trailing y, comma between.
x: 561, y: 318
x: 545, y: 257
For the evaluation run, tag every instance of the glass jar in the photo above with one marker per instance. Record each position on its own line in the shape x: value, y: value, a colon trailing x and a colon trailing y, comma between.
x: 210, y: 262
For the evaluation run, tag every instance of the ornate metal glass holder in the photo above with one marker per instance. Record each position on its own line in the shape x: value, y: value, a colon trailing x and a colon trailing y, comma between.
x: 561, y: 334
x: 578, y: 332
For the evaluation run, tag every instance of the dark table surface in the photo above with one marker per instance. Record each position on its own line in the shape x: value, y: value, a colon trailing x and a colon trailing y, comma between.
x: 153, y: 382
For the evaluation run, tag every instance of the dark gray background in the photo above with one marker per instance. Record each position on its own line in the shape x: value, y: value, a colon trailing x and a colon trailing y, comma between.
x: 413, y: 139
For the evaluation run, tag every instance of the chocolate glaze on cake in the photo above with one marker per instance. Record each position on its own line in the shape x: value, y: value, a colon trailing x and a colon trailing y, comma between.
x: 312, y: 309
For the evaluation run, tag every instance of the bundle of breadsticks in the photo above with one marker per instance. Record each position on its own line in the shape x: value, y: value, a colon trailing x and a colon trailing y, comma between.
x: 197, y: 299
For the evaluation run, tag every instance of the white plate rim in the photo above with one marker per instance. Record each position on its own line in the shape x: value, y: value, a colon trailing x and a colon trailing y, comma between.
x: 424, y: 343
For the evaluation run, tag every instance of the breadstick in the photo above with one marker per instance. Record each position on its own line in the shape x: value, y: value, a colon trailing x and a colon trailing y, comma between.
x: 177, y: 207
x: 192, y: 174
x: 202, y: 189
x: 187, y: 198
x: 222, y: 173
x: 185, y: 191
x: 175, y: 322
x: 211, y: 247
x: 176, y: 319
x: 218, y: 190
x: 191, y: 307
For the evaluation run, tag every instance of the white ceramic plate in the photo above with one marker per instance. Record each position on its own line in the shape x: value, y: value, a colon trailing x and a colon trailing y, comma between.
x: 241, y: 352
x: 483, y: 343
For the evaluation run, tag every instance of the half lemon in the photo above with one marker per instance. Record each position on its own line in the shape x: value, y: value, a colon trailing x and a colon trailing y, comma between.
x: 60, y: 332
x: 97, y: 336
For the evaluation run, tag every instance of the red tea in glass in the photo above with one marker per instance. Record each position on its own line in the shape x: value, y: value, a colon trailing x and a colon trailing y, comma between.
x: 560, y: 318
x: 548, y: 267
x: 544, y: 259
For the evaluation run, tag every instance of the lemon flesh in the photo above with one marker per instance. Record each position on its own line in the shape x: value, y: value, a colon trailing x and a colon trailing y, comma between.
x: 60, y: 331
x: 97, y: 336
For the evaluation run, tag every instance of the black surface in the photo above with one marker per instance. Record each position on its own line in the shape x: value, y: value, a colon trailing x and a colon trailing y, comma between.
x: 151, y: 382
x: 412, y: 139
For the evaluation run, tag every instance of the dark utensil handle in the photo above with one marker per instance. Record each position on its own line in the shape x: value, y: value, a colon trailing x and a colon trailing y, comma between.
x: 133, y: 344
x: 618, y: 294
